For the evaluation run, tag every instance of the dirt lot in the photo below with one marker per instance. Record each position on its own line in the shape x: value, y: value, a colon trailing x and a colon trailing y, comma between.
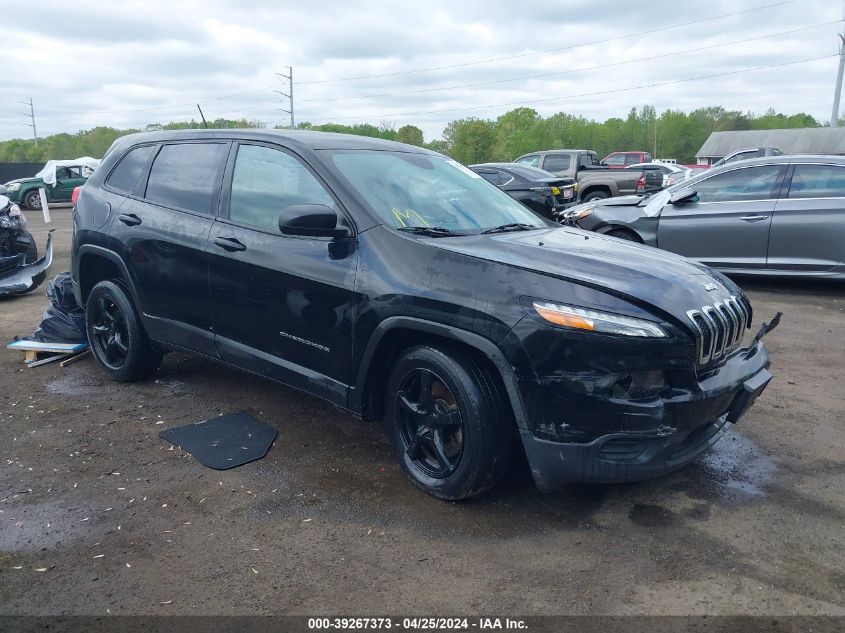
x: 98, y: 515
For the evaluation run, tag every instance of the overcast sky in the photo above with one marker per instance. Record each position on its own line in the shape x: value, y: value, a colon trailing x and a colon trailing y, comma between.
x: 126, y: 64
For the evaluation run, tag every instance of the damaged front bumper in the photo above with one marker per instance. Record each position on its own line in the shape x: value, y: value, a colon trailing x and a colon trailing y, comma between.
x: 656, y: 436
x: 18, y: 278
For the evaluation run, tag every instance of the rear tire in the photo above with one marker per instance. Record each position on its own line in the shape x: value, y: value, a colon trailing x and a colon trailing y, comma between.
x: 32, y: 200
x: 596, y: 195
x: 625, y: 234
x: 450, y: 427
x: 117, y: 338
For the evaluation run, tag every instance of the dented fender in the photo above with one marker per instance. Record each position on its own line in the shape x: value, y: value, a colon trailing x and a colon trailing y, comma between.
x: 26, y: 277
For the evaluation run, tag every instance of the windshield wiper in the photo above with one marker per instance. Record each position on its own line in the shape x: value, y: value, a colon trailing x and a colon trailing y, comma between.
x: 514, y: 226
x: 431, y: 231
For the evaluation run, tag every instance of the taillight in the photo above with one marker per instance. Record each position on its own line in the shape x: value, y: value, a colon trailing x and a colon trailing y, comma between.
x: 75, y: 194
x: 640, y: 183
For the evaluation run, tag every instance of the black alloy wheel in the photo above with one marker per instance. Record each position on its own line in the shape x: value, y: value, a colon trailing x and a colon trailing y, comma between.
x: 430, y: 423
x: 110, y: 334
x: 118, y: 340
x: 449, y: 421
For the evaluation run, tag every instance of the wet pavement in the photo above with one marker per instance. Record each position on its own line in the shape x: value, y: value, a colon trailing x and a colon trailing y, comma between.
x: 98, y: 515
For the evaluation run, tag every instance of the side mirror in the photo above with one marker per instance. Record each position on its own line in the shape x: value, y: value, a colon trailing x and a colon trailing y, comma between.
x: 312, y: 220
x: 684, y: 196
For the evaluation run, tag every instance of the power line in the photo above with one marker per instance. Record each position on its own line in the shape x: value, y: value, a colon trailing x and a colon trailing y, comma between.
x: 572, y: 70
x: 563, y: 98
x: 435, y: 68
x: 552, y: 50
x: 588, y: 94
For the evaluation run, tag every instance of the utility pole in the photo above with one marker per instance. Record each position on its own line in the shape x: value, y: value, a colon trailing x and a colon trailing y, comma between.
x: 834, y: 116
x: 288, y: 94
x: 31, y: 115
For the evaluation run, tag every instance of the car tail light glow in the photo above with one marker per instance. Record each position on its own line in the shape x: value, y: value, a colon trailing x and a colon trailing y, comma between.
x: 75, y: 194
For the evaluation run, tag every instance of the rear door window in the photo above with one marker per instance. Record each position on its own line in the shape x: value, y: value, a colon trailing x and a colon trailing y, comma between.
x: 125, y: 176
x: 556, y: 162
x: 185, y: 176
x: 266, y: 181
x: 817, y: 181
x: 632, y: 159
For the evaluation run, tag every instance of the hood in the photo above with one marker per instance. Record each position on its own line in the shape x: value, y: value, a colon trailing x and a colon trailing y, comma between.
x: 31, y: 178
x: 620, y: 201
x: 640, y: 274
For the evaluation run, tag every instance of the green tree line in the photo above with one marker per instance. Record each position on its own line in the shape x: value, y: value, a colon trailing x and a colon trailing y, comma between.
x: 672, y: 134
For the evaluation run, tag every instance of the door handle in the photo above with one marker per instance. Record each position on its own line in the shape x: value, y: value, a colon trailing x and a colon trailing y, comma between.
x: 754, y: 218
x: 229, y: 244
x: 129, y: 219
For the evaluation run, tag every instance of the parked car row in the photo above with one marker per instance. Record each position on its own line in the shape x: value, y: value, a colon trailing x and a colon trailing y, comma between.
x: 595, y: 181
x: 776, y: 215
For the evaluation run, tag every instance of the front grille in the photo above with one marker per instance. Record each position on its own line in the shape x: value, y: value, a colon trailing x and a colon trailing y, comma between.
x: 719, y: 328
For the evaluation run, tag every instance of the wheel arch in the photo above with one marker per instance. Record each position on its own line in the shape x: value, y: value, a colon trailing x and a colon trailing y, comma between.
x: 95, y: 264
x: 396, y: 334
x: 595, y: 188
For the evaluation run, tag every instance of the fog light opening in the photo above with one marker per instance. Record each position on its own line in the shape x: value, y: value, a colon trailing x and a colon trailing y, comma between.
x: 640, y: 385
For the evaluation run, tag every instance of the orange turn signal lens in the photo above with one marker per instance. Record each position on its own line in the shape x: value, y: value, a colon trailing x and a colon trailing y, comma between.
x: 564, y: 319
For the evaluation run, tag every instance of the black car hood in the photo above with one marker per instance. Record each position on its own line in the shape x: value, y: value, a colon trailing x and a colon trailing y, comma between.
x: 643, y: 274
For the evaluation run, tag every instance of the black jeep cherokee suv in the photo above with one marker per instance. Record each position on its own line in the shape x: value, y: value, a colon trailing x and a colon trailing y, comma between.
x: 400, y: 285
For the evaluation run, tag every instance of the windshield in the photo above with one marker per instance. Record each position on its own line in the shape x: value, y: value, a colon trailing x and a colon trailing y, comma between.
x: 416, y: 190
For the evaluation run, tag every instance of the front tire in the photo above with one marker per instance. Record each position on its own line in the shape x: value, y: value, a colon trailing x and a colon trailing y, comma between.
x: 32, y: 200
x: 117, y: 338
x: 449, y: 425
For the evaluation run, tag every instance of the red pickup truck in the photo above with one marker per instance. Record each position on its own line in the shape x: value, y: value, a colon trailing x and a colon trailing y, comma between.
x: 620, y: 160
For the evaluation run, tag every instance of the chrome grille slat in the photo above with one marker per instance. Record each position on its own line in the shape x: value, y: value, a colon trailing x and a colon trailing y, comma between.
x: 719, y: 328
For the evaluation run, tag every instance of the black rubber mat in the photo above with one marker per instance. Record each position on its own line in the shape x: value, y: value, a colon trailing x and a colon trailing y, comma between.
x: 224, y: 442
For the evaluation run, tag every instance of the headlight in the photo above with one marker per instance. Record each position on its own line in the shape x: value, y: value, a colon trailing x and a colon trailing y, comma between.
x: 593, y: 321
x: 579, y: 213
x: 14, y: 186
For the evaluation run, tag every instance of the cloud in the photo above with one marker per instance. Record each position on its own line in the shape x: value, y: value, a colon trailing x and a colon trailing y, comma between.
x: 132, y: 63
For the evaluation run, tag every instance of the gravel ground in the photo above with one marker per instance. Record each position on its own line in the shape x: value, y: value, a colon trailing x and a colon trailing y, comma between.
x: 98, y: 515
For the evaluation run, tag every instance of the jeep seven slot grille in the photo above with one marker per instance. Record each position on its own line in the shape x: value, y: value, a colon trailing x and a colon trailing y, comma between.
x: 719, y: 328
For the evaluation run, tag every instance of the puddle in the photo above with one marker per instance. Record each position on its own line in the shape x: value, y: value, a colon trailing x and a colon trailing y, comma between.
x: 649, y: 515
x: 734, y: 470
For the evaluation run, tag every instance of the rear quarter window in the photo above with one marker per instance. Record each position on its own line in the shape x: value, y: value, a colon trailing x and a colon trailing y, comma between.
x: 125, y: 176
x: 185, y: 176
